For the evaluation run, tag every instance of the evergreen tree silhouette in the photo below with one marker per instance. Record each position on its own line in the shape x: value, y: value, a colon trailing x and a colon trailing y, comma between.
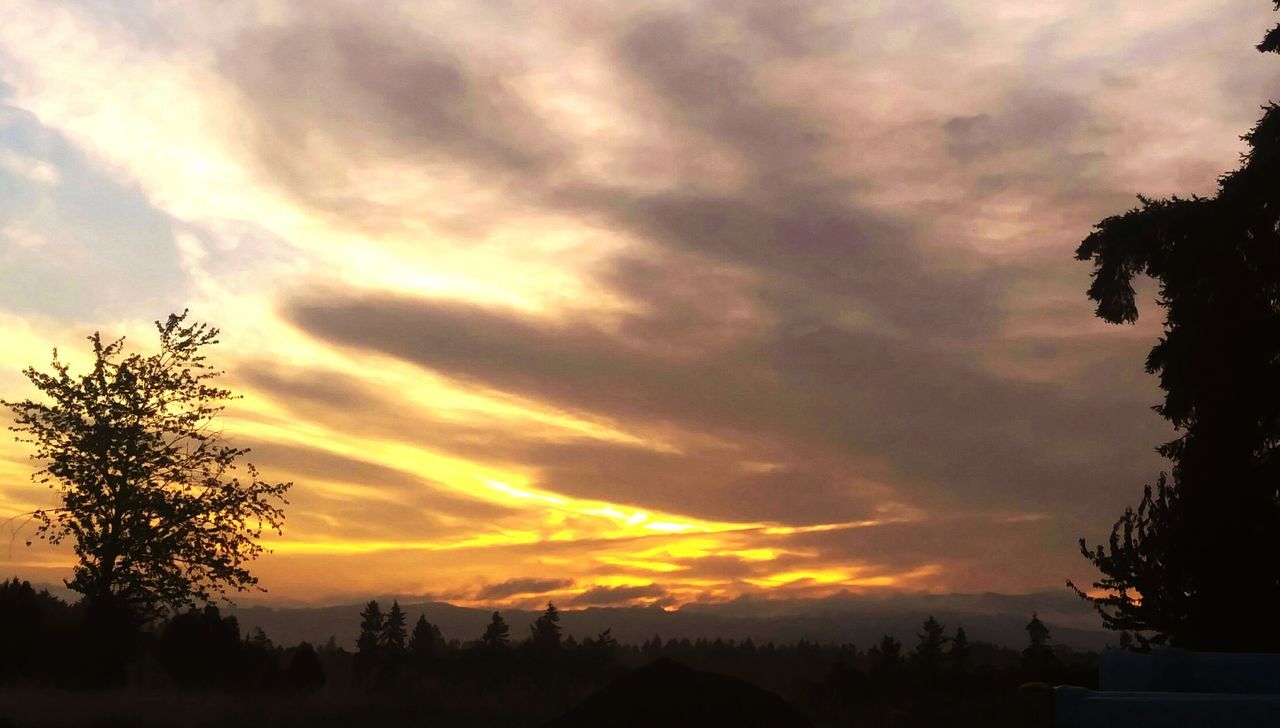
x: 886, y: 656
x: 305, y: 673
x: 652, y: 649
x: 392, y: 637
x: 1183, y: 567
x: 28, y: 622
x: 602, y: 650
x: 201, y: 648
x: 369, y: 641
x: 928, y: 654
x: 1038, y: 658
x: 1037, y: 633
x: 605, y: 640
x: 425, y: 642
x: 21, y: 627
x: 545, y: 630
x: 495, y: 634
x: 259, y: 638
x: 959, y: 654
x: 330, y: 645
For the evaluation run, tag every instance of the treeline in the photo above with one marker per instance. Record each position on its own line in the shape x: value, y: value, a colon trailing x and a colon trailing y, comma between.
x: 204, y: 649
x: 387, y: 647
x: 47, y: 641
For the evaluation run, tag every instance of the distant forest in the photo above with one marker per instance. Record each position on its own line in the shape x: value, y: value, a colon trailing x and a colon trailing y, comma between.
x: 401, y: 671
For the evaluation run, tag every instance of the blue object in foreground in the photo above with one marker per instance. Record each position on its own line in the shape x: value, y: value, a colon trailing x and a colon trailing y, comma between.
x: 1173, y: 688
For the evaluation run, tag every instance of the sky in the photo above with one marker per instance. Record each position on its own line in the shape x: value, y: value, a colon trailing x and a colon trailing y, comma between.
x: 620, y: 303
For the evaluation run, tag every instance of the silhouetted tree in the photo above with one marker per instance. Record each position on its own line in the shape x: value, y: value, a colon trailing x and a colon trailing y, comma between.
x: 959, y: 655
x: 1038, y: 657
x: 928, y: 654
x: 330, y: 646
x: 34, y: 627
x: 201, y: 648
x: 546, y: 630
x: 652, y: 649
x: 305, y: 673
x: 369, y: 641
x: 605, y: 641
x: 495, y: 634
x: 260, y: 639
x: 886, y: 656
x: 258, y: 666
x: 147, y: 491
x: 392, y: 637
x: 425, y: 642
x: 1194, y: 564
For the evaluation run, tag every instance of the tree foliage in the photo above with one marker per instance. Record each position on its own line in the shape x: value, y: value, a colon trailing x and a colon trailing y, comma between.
x: 885, y: 656
x: 1038, y: 657
x: 960, y: 652
x: 1195, y: 564
x: 929, y: 652
x: 150, y: 499
x: 371, y: 626
x: 392, y: 637
x: 546, y: 630
x: 496, y: 633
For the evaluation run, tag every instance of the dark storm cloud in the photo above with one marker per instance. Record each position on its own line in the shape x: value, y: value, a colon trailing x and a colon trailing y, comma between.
x: 949, y: 431
x: 512, y: 587
x: 604, y: 596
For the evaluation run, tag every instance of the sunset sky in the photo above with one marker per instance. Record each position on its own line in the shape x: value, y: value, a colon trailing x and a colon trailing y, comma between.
x: 624, y: 303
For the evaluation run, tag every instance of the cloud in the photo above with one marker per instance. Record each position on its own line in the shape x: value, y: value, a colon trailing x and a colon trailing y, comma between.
x: 76, y: 243
x: 523, y: 586
x: 343, y: 92
x: 790, y: 263
x: 946, y: 432
x: 1030, y: 120
x: 606, y: 596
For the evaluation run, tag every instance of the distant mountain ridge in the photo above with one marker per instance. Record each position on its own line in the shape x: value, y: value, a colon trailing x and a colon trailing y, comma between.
x: 995, y: 618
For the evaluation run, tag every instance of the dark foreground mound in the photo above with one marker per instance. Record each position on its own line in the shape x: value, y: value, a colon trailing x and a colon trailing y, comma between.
x: 672, y: 695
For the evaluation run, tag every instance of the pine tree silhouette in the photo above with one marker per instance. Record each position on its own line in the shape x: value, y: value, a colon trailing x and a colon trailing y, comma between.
x: 425, y: 642
x: 928, y: 654
x: 1184, y: 567
x: 545, y: 630
x: 959, y: 654
x: 1038, y: 658
x: 368, y: 643
x: 305, y: 673
x: 392, y: 638
x: 886, y: 656
x: 495, y: 635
